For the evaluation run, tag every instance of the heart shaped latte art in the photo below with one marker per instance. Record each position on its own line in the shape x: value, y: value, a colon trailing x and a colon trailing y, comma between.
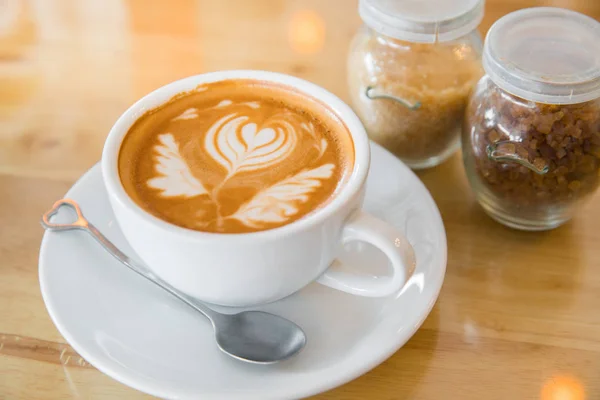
x: 239, y: 145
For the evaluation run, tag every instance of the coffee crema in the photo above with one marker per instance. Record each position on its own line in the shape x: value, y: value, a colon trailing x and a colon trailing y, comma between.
x: 236, y: 156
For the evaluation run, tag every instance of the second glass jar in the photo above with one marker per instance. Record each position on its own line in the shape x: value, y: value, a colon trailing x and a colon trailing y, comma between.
x: 531, y: 142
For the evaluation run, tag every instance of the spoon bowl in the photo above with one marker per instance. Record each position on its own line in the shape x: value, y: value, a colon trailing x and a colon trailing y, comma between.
x: 258, y: 337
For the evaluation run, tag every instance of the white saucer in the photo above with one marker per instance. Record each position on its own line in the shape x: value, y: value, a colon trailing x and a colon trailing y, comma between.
x: 146, y: 339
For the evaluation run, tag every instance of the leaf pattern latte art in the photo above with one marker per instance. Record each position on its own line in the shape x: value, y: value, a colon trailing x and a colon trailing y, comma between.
x: 278, y: 203
x: 175, y: 178
x: 239, y: 145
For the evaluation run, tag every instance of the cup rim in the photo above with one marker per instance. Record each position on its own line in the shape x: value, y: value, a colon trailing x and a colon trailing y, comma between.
x: 358, y: 135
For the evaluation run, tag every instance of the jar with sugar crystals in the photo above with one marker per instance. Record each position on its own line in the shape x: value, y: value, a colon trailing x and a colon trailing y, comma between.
x: 531, y: 139
x: 411, y: 67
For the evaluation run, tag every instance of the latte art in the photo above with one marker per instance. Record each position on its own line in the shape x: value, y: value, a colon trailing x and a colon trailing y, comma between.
x: 250, y: 161
x: 238, y: 145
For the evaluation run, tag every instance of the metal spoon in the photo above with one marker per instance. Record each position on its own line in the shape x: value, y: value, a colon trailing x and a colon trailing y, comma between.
x: 251, y: 336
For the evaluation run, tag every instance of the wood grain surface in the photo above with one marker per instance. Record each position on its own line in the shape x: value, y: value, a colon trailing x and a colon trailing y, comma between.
x: 518, y: 316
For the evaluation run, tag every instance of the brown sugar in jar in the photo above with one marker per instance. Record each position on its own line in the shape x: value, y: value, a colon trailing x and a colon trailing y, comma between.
x: 532, y: 156
x: 410, y: 88
x: 437, y: 77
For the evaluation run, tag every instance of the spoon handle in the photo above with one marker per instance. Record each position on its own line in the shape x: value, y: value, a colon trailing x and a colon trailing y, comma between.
x: 83, y: 224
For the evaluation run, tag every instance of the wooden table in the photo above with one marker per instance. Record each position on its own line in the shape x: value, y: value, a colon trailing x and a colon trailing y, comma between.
x: 519, y: 313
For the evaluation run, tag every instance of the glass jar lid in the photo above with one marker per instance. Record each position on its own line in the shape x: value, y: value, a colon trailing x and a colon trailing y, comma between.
x: 544, y: 54
x: 426, y: 21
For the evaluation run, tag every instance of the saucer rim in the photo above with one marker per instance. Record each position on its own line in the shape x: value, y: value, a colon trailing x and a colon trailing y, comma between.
x: 382, y: 352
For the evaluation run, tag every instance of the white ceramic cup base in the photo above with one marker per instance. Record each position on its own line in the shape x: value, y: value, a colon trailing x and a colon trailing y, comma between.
x: 260, y: 267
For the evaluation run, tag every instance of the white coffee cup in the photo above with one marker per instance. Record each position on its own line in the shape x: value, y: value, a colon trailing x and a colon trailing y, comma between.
x: 252, y: 268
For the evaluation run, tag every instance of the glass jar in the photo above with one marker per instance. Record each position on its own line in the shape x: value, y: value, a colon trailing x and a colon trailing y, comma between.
x: 531, y: 139
x: 411, y: 68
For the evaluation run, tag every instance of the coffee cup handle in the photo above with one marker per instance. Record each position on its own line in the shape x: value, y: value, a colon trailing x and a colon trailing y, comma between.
x: 364, y: 227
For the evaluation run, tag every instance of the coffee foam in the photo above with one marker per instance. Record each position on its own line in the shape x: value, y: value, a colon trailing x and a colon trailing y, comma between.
x: 236, y: 156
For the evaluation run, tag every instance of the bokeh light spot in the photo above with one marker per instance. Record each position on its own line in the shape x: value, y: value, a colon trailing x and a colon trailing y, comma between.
x: 562, y: 387
x: 306, y: 32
